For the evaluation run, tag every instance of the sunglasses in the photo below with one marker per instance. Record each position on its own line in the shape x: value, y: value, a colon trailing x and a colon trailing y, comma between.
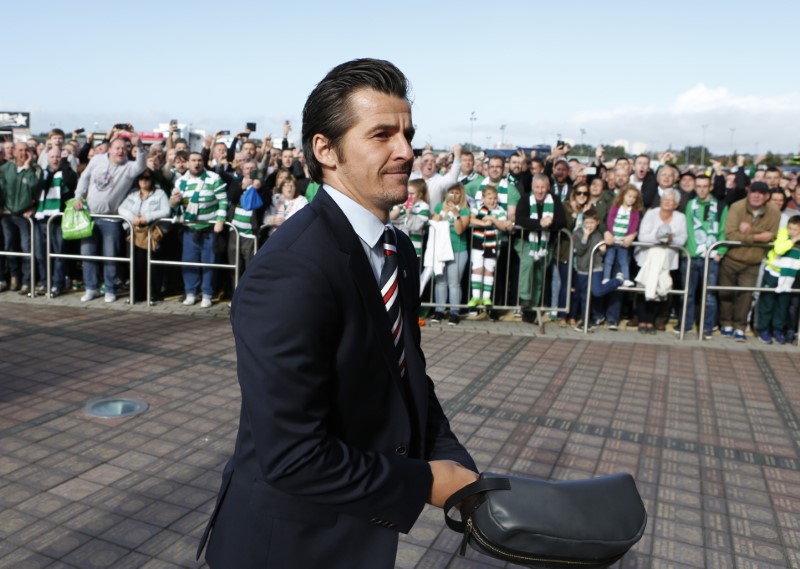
x: 581, y: 193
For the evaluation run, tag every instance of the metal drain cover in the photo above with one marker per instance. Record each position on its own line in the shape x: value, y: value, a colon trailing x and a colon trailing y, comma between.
x: 115, y: 408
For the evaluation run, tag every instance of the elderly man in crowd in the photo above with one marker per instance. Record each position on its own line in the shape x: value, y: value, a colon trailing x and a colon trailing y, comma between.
x: 104, y: 184
x: 438, y: 183
x: 18, y: 180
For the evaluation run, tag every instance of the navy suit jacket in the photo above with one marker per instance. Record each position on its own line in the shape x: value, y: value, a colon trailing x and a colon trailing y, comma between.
x: 331, y: 455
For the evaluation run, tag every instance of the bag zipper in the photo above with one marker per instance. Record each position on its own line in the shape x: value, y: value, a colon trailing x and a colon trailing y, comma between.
x: 472, y: 531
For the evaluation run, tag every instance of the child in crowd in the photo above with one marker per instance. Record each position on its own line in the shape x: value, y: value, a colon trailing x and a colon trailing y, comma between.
x: 486, y: 218
x: 783, y: 262
x: 412, y: 216
x: 585, y: 239
x: 623, y: 225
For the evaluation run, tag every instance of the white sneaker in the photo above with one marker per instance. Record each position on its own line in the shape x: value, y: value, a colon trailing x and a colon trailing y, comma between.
x: 190, y: 300
x: 206, y: 302
x: 628, y: 283
x: 90, y: 294
x: 605, y: 281
x: 110, y: 297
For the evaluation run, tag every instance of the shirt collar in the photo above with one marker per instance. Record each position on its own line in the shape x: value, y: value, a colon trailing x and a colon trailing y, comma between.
x: 366, y: 225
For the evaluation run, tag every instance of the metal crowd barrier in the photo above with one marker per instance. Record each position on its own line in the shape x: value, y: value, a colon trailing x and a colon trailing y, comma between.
x: 51, y: 255
x: 151, y: 261
x: 31, y: 254
x: 718, y: 287
x: 507, y: 242
x: 684, y: 291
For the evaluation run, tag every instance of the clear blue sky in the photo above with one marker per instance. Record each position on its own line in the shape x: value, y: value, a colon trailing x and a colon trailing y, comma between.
x: 646, y: 72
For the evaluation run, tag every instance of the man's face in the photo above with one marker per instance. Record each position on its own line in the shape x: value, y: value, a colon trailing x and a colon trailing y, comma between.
x: 756, y: 199
x: 56, y: 140
x: 666, y: 177
x: 625, y: 165
x: 181, y: 147
x: 428, y: 165
x: 496, y: 169
x: 180, y: 165
x: 374, y: 158
x: 536, y: 168
x: 773, y: 180
x: 702, y: 188
x: 515, y: 165
x: 248, y: 170
x: 560, y: 172
x: 687, y: 184
x: 195, y: 164
x: 54, y: 159
x: 220, y: 150
x: 8, y: 150
x: 620, y: 176
x: 117, y: 153
x: 467, y: 163
x: 540, y: 189
x: 758, y: 176
x: 20, y: 153
x: 238, y: 159
x: 249, y: 150
x: 668, y: 202
x: 640, y: 167
x: 287, y: 157
x: 596, y: 188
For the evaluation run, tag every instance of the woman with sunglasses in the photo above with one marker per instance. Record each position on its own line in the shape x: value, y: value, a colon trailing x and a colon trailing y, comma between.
x: 574, y: 207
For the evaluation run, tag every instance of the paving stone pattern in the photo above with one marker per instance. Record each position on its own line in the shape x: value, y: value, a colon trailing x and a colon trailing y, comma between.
x: 709, y: 431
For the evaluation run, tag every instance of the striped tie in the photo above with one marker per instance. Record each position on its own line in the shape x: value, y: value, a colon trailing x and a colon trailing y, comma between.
x: 390, y: 291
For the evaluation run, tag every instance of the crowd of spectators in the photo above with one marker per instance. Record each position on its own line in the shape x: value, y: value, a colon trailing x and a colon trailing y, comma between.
x: 509, y: 218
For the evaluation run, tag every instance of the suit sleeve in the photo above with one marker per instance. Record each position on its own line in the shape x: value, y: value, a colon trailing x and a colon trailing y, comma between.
x: 284, y: 319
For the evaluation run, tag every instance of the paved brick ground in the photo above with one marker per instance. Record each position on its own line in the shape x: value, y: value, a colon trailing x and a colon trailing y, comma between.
x: 710, y: 431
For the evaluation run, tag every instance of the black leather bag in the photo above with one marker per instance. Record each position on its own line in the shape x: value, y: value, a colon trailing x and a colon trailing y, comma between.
x: 588, y: 524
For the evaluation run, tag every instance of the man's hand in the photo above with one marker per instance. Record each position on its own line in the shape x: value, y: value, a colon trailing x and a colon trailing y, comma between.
x: 77, y: 205
x: 745, y: 227
x: 598, y: 154
x: 208, y: 141
x: 457, y: 151
x: 740, y: 161
x: 219, y: 226
x: 448, y: 478
x: 175, y: 199
x: 546, y: 222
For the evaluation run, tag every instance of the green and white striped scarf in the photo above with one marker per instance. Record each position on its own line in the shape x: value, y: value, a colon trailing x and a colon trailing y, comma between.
x: 50, y: 199
x: 706, y: 231
x: 540, y: 239
x: 621, y: 222
x: 789, y: 264
x: 243, y: 221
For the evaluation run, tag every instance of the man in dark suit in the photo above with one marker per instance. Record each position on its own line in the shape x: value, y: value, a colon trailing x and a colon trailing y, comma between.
x: 341, y: 437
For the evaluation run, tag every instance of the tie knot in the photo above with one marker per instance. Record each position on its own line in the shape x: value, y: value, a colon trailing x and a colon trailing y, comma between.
x: 389, y: 241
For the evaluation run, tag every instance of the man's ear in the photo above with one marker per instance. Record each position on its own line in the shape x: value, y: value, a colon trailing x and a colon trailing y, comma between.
x: 323, y: 151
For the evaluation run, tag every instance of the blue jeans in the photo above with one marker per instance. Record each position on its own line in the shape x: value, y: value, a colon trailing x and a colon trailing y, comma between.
x: 599, y: 290
x: 107, y: 235
x: 622, y: 257
x: 450, y: 282
x: 558, y: 285
x: 17, y: 236
x: 56, y: 244
x: 198, y: 247
x: 695, y: 283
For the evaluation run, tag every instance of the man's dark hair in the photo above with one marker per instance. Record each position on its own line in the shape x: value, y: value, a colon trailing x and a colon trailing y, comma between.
x: 182, y: 154
x: 688, y: 173
x: 774, y: 169
x: 183, y: 140
x: 794, y: 220
x: 591, y: 213
x: 622, y: 159
x: 642, y: 156
x: 56, y: 131
x: 702, y: 177
x: 467, y: 153
x: 538, y: 161
x: 327, y: 109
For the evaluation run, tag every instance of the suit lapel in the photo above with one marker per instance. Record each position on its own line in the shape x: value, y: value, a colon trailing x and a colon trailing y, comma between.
x: 363, y: 277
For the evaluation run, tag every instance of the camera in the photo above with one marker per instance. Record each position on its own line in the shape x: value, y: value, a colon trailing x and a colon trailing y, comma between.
x: 251, y: 126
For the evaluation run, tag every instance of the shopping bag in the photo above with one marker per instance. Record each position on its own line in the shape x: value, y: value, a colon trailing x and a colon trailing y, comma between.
x: 76, y: 224
x: 250, y: 199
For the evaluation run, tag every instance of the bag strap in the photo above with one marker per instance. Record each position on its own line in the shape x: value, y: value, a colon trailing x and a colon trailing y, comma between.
x: 477, y: 487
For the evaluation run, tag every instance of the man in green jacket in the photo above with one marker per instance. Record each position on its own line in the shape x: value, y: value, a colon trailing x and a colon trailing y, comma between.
x: 18, y: 179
